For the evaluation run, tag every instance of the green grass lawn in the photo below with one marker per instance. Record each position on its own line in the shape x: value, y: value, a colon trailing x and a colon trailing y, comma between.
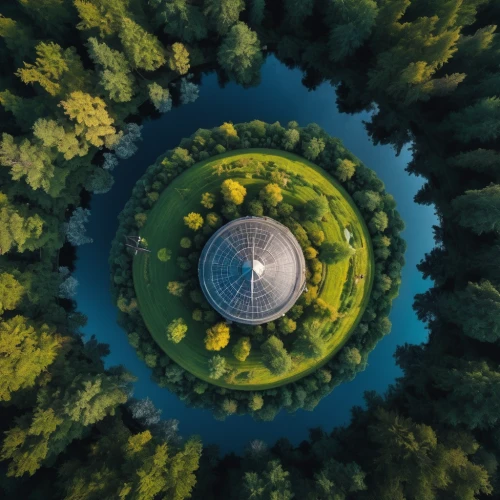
x: 165, y: 228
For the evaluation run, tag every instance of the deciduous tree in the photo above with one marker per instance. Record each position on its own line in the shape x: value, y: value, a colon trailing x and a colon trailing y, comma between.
x: 217, y: 337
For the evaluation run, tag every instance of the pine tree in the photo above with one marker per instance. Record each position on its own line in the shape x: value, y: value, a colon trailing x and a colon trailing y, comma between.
x: 478, y: 210
x: 181, y: 20
x: 223, y: 13
x: 240, y: 55
x: 143, y: 50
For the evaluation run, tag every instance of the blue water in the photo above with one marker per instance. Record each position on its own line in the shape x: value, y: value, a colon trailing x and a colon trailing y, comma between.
x: 280, y: 97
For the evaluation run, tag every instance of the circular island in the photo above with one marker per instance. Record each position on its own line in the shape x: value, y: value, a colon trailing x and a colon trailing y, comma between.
x: 252, y: 270
x: 265, y: 278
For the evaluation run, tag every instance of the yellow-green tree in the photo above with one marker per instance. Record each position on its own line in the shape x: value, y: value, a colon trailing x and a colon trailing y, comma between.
x: 25, y: 352
x: 11, y: 292
x: 176, y: 330
x: 241, y: 350
x: 271, y: 195
x: 217, y: 337
x: 92, y: 119
x: 233, y: 192
x: 56, y: 70
x: 208, y: 200
x: 228, y: 131
x: 143, y: 50
x: 19, y: 229
x: 178, y: 59
x: 193, y: 221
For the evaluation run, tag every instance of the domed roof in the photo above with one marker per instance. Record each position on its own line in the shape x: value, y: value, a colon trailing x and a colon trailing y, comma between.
x: 252, y: 270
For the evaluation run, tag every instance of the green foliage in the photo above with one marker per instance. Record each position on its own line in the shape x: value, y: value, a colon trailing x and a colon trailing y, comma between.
x: 331, y: 253
x: 160, y: 97
x: 290, y: 139
x: 26, y: 351
x: 233, y: 192
x: 240, y: 54
x: 275, y: 357
x: 143, y: 50
x: 20, y: 230
x: 56, y: 136
x: 208, y: 201
x: 345, y: 169
x: 351, y: 24
x: 217, y: 337
x: 115, y: 74
x: 241, y: 349
x: 93, y: 122
x: 217, y: 366
x: 186, y: 242
x: 29, y: 161
x: 274, y: 482
x: 178, y: 59
x: 11, y: 292
x: 176, y: 288
x: 56, y: 70
x: 313, y: 148
x: 476, y: 209
x: 316, y: 209
x: 176, y: 330
x: 271, y: 195
x: 181, y: 19
x: 223, y: 13
x: 476, y: 310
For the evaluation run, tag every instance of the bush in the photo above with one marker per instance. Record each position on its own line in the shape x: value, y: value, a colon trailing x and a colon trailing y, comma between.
x: 176, y: 330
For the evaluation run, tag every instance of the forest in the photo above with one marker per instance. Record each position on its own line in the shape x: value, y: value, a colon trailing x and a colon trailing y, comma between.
x: 76, y: 77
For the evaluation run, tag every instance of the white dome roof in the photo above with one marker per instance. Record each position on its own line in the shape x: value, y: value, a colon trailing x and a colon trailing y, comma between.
x: 252, y: 270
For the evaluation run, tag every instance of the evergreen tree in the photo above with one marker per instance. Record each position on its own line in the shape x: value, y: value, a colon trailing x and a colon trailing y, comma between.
x: 181, y: 20
x: 115, y: 74
x: 476, y: 309
x: 477, y: 209
x: 240, y: 55
x: 143, y: 50
x: 223, y: 13
x: 351, y: 24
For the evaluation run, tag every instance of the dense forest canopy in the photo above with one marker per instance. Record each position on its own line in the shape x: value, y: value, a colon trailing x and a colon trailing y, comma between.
x: 74, y: 76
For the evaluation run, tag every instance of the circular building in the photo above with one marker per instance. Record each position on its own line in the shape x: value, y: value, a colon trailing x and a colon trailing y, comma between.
x: 252, y: 270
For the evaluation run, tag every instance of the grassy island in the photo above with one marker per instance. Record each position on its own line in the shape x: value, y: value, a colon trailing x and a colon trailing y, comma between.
x: 340, y: 286
x: 344, y: 223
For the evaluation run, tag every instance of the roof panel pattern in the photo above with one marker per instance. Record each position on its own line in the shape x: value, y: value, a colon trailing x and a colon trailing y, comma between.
x: 252, y: 270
